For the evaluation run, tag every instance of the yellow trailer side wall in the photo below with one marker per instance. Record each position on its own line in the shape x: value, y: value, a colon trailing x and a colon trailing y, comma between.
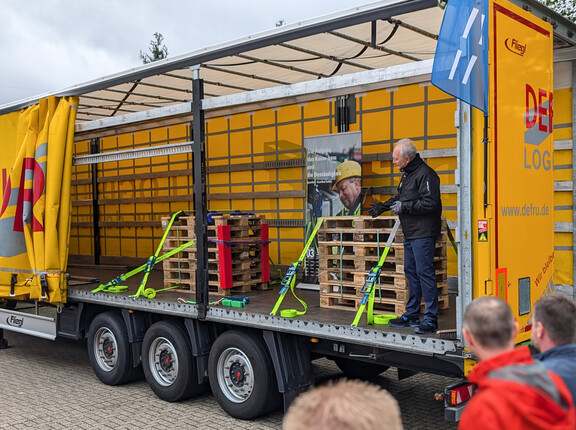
x: 135, y: 194
x: 513, y: 229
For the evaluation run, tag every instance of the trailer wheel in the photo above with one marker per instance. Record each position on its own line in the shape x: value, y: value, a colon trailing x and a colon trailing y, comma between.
x: 359, y: 370
x: 109, y: 350
x: 241, y: 375
x: 168, y: 363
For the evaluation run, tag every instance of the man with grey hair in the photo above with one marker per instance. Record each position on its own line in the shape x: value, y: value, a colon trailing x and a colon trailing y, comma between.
x: 554, y: 334
x: 513, y: 390
x: 419, y: 208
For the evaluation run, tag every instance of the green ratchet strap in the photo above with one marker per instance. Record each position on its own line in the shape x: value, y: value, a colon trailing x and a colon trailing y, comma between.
x: 290, y: 279
x: 114, y: 286
x: 152, y: 260
x: 452, y: 240
x: 368, y: 289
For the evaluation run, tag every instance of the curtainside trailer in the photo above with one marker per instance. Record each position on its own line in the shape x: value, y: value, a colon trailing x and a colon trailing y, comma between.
x: 162, y: 213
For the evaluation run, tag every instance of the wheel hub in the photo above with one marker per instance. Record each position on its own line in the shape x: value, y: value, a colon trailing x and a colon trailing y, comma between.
x: 165, y: 360
x: 108, y: 348
x: 237, y: 374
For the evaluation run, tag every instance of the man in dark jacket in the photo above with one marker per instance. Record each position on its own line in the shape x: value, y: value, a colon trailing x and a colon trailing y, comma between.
x: 419, y: 207
x: 554, y: 334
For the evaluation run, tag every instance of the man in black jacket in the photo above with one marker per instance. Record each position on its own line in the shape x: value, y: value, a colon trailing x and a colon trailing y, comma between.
x: 419, y: 207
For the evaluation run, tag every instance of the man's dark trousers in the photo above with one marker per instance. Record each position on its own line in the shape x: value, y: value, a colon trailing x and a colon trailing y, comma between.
x: 419, y: 269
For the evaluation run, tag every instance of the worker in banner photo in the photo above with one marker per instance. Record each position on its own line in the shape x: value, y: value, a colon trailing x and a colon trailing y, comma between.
x: 419, y: 208
x: 348, y: 184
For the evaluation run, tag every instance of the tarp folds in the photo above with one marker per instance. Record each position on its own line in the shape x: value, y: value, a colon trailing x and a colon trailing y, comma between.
x: 36, y: 167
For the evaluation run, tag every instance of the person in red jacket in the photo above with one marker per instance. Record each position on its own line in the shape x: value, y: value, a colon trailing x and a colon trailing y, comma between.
x: 513, y: 390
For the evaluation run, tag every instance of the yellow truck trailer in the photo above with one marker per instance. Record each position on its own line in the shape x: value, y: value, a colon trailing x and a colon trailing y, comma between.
x: 96, y: 177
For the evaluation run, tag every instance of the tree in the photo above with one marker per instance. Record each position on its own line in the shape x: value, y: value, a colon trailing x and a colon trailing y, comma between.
x: 566, y: 8
x: 156, y: 48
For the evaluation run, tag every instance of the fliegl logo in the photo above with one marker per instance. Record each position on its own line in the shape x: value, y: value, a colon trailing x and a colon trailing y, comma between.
x: 15, y: 321
x: 514, y: 46
x: 539, y: 125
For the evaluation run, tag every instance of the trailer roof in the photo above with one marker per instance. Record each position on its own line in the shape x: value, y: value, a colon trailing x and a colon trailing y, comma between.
x: 367, y: 37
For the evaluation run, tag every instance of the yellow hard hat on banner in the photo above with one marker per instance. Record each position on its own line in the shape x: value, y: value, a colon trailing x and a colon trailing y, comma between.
x: 348, y: 169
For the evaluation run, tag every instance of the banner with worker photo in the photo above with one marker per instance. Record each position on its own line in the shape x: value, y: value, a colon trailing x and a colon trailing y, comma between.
x: 334, y: 188
x: 36, y: 167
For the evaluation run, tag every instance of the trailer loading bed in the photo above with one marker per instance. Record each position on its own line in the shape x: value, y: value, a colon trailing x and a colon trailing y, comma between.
x: 325, y: 323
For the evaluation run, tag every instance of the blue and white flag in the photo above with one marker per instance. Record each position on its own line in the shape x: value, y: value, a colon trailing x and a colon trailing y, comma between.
x: 461, y: 60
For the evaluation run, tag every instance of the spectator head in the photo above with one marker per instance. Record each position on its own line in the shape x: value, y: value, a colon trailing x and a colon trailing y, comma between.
x: 554, y: 322
x: 344, y: 405
x: 403, y: 153
x: 489, y: 327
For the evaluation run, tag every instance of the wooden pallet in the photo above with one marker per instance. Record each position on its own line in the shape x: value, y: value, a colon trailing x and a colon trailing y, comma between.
x: 386, y: 284
x: 381, y: 304
x: 349, y: 247
x: 182, y: 227
x: 245, y: 258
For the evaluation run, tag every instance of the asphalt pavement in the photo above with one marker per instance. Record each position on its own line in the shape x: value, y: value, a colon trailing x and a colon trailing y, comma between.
x: 50, y: 385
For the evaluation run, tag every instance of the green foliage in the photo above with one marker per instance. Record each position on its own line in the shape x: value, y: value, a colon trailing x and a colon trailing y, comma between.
x: 567, y: 8
x: 156, y: 48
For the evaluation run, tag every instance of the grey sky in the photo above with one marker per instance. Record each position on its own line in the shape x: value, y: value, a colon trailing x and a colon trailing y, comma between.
x: 53, y: 44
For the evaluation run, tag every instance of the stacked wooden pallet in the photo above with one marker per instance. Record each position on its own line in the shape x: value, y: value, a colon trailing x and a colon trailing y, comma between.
x: 237, y: 254
x: 349, y: 247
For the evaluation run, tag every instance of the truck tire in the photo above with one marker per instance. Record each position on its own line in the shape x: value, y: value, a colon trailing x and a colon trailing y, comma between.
x: 109, y: 350
x: 168, y: 363
x: 359, y: 369
x: 241, y: 375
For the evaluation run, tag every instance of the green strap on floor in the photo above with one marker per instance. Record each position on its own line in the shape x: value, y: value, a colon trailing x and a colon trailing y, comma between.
x: 114, y: 286
x: 290, y: 279
x: 368, y: 289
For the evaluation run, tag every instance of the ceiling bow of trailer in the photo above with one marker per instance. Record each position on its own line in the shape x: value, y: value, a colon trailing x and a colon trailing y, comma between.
x: 372, y: 36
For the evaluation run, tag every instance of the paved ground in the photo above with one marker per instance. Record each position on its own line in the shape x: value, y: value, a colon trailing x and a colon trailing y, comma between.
x: 50, y: 385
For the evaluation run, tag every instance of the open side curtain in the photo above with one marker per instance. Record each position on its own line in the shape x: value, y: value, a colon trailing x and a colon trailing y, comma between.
x: 36, y: 166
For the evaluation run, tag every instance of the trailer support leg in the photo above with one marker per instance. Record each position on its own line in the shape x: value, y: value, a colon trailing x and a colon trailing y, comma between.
x: 292, y: 364
x: 3, y: 342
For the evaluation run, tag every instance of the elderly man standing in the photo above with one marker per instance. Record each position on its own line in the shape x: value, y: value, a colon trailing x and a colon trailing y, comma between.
x: 554, y: 334
x: 513, y: 390
x: 419, y: 208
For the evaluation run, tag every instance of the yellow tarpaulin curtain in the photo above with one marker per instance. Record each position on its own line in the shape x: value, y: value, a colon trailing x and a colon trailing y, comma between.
x: 36, y: 165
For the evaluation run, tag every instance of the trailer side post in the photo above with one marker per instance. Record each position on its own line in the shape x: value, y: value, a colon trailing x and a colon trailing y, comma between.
x: 200, y: 199
x: 95, y: 149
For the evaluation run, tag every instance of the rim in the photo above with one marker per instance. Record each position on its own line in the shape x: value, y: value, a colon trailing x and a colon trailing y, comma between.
x: 235, y: 375
x: 164, y: 361
x: 106, y: 348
